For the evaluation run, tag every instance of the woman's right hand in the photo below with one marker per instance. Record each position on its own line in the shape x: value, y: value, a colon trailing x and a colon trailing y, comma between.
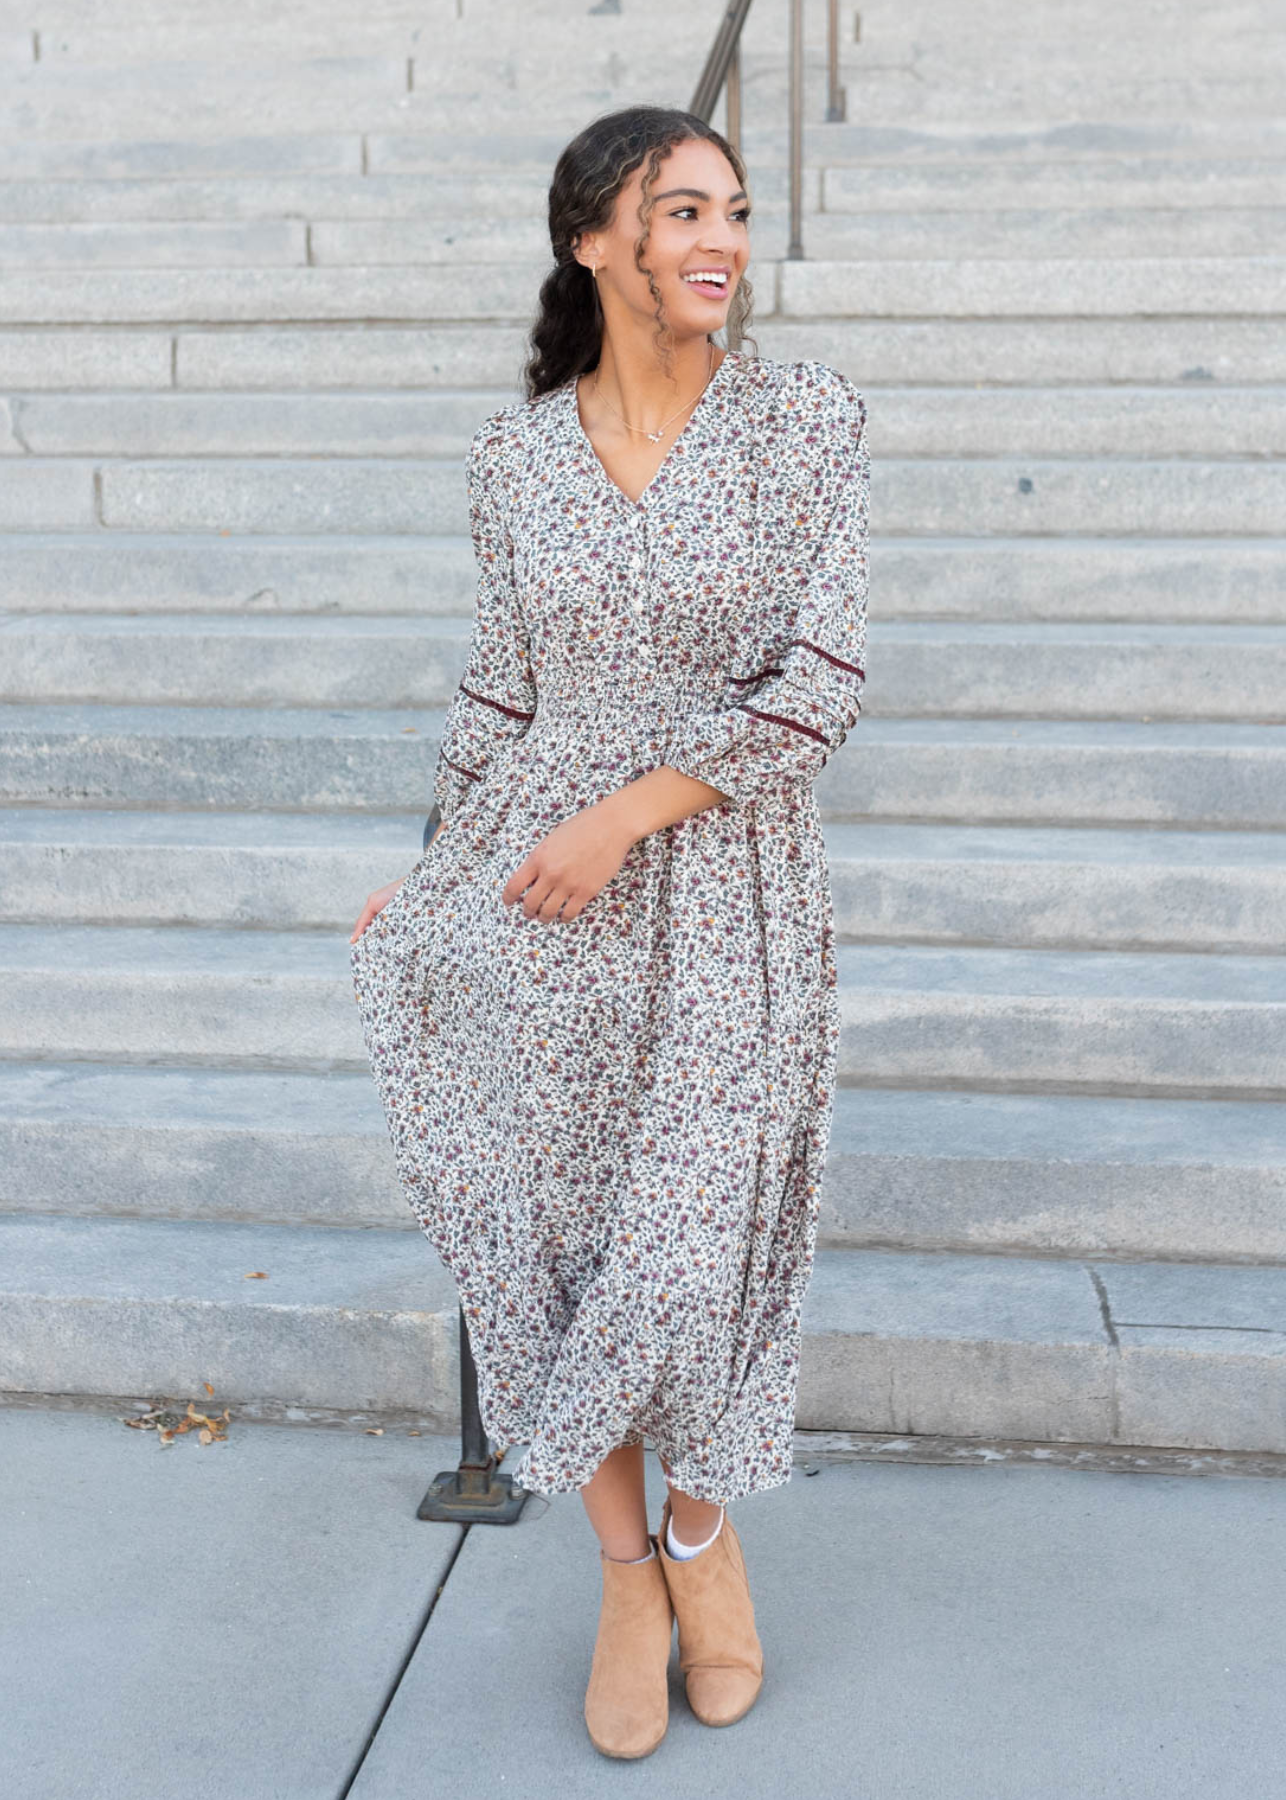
x: 377, y: 901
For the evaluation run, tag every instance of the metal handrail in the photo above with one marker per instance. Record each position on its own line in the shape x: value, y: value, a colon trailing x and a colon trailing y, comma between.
x: 723, y: 59
x: 723, y: 71
x: 476, y: 1491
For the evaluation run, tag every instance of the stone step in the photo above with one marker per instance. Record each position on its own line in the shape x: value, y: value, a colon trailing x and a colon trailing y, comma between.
x: 1022, y: 495
x: 554, y: 87
x: 1078, y: 671
x: 910, y: 169
x: 1200, y: 144
x: 1091, y: 181
x: 1034, y: 228
x: 996, y: 771
x: 915, y: 668
x: 467, y: 42
x: 1159, y: 1023
x: 1050, y: 1174
x: 941, y: 92
x: 1110, y: 1352
x: 124, y: 156
x: 1027, y: 352
x: 1055, y: 1174
x: 448, y: 40
x: 1022, y: 886
x: 1051, y: 287
x: 94, y: 572
x: 377, y: 96
x: 206, y: 1143
x: 1186, y: 135
x: 473, y: 203
x: 303, y: 870
x: 386, y: 94
x: 396, y: 238
x: 1213, y: 581
x: 1027, y: 1021
x: 952, y: 352
x: 1064, y: 772
x: 893, y: 1341
x: 1085, y: 422
x: 256, y: 243
x: 1078, y: 888
x: 305, y: 94
x: 892, y: 288
x: 345, y: 1317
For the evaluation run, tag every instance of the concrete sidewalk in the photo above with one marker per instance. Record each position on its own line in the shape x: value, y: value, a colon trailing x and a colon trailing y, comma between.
x: 261, y: 1620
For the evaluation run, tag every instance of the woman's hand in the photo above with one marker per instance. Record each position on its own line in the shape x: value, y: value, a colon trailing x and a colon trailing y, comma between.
x: 569, y: 866
x: 375, y: 902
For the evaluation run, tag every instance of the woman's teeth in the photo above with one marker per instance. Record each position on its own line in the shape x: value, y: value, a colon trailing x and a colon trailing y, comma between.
x: 709, y: 281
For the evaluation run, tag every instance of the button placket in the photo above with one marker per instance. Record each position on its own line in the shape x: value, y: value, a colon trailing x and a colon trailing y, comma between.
x: 638, y: 568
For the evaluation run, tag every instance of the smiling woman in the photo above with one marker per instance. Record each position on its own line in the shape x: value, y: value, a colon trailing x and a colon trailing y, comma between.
x: 602, y: 1013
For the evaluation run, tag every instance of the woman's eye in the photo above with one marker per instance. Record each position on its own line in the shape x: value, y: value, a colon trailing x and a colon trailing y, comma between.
x: 742, y: 212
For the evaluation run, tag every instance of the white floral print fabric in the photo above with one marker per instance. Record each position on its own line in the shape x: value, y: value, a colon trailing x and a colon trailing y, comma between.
x: 613, y: 1128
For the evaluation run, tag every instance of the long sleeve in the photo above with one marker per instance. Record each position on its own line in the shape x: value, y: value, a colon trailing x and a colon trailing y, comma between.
x: 496, y: 699
x: 799, y: 708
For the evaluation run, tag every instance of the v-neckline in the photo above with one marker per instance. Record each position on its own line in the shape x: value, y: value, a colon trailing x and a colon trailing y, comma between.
x: 573, y: 402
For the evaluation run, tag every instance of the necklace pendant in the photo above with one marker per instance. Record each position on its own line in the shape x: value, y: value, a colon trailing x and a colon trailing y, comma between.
x: 656, y: 436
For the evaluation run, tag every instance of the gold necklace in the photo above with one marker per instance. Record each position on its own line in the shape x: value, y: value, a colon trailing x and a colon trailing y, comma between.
x: 659, y: 433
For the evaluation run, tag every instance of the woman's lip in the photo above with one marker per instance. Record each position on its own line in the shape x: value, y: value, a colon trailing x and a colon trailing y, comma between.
x: 713, y: 290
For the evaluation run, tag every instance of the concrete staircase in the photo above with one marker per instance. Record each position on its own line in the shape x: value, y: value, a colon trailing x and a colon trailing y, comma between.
x: 259, y: 281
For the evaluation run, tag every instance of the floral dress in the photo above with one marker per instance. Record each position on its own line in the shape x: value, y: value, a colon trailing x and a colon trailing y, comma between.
x: 613, y: 1128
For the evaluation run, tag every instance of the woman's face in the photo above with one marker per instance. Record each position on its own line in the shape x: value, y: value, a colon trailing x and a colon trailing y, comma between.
x: 699, y: 225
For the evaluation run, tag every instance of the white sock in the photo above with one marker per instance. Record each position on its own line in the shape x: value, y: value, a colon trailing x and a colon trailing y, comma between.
x: 684, y: 1552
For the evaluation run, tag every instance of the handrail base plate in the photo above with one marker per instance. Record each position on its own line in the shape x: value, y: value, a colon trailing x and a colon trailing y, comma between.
x: 473, y: 1495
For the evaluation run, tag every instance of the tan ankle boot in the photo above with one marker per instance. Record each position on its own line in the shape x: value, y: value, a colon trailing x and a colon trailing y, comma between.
x: 719, y: 1649
x: 627, y: 1702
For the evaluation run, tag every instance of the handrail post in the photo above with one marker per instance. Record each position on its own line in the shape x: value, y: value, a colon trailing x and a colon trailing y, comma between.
x: 795, y: 248
x: 836, y: 98
x: 732, y: 101
x: 475, y: 1492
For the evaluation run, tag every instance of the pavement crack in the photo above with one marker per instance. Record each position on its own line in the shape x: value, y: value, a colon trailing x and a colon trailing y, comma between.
x: 417, y: 1638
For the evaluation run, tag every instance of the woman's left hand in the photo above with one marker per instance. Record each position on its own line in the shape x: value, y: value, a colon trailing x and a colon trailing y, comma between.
x: 569, y: 866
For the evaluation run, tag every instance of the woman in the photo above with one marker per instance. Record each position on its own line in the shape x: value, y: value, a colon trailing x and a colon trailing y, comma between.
x: 601, y: 1009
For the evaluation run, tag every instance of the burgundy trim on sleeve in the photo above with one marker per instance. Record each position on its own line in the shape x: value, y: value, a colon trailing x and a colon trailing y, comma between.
x: 837, y: 660
x: 777, y: 719
x: 743, y: 680
x: 471, y: 773
x: 499, y: 705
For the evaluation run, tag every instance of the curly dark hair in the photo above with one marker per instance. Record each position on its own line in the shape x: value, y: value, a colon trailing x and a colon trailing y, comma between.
x: 589, y: 174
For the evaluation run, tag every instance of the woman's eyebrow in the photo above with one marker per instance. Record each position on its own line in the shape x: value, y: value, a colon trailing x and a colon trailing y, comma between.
x: 698, y: 194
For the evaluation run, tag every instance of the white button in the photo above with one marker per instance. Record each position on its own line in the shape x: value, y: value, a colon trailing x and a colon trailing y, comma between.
x: 637, y: 604
x: 636, y: 562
